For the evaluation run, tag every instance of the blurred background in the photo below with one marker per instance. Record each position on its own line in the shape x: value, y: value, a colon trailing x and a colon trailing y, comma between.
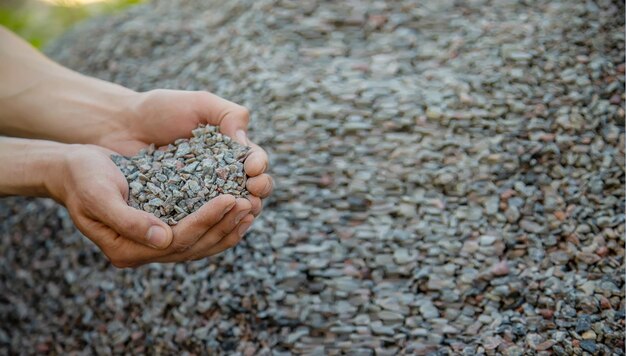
x: 39, y: 21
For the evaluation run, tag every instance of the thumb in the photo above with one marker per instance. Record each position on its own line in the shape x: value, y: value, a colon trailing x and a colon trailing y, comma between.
x: 232, y: 118
x: 136, y: 225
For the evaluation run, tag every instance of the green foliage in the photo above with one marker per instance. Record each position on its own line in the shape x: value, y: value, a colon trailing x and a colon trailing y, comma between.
x: 38, y: 22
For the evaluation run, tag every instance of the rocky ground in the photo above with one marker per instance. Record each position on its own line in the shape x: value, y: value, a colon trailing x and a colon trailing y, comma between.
x: 450, y: 180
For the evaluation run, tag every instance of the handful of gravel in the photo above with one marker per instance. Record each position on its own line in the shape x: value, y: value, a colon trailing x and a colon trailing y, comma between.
x: 174, y: 182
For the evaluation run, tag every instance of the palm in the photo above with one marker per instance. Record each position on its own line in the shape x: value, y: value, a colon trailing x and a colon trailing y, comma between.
x: 163, y: 116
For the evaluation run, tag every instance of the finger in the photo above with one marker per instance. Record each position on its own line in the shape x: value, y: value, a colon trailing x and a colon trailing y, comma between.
x: 136, y: 225
x: 221, y: 230
x: 233, y: 121
x: 261, y: 186
x: 121, y: 252
x: 230, y: 117
x: 127, y: 253
x: 218, y: 232
x: 195, y: 225
x: 100, y: 234
x: 257, y: 204
x: 230, y: 221
x: 257, y: 162
x: 229, y: 241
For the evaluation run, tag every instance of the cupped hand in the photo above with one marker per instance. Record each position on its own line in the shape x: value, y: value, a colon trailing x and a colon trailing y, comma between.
x: 95, y: 193
x: 162, y: 116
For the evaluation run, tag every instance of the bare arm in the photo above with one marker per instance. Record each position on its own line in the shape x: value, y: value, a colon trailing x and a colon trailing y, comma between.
x: 41, y: 99
x: 28, y: 166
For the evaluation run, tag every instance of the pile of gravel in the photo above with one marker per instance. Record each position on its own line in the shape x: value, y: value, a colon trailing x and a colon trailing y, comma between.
x: 449, y: 179
x: 173, y: 182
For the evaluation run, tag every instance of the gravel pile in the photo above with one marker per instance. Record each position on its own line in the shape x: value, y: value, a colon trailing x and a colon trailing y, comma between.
x: 173, y: 182
x: 449, y: 179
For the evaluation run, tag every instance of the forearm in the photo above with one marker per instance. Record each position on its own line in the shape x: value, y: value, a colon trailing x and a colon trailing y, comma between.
x: 29, y: 167
x: 41, y: 99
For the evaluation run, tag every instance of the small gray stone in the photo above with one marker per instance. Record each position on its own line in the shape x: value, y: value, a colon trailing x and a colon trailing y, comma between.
x: 487, y: 240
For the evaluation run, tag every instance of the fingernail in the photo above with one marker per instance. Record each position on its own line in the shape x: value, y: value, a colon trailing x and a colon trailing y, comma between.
x: 243, y: 228
x: 242, y: 137
x: 157, y: 236
x: 241, y: 216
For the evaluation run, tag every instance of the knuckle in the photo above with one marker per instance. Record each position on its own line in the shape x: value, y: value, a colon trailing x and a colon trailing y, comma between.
x: 129, y: 226
x: 242, y: 111
x: 225, y: 227
x: 154, y: 94
x: 180, y: 247
x: 223, y: 232
x: 231, y: 241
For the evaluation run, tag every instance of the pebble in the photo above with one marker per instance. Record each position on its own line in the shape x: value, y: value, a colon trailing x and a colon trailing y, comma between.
x: 583, y: 323
x: 589, y: 346
x: 487, y: 240
x: 429, y: 311
x: 531, y: 226
x: 589, y: 335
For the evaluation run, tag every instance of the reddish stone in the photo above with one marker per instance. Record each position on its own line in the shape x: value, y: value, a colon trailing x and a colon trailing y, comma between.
x: 546, y: 313
x: 615, y: 99
x: 573, y: 238
x: 546, y: 345
x: 559, y: 215
x: 500, y: 269
x: 43, y: 347
x: 604, y: 302
x: 136, y: 335
x: 325, y: 180
x: 438, y: 203
x: 505, y: 195
x: 377, y: 20
x: 582, y: 59
x: 363, y: 67
x: 539, y: 110
x: 602, y: 251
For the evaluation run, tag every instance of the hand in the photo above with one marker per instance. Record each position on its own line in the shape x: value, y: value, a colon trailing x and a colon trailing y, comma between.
x: 95, y: 192
x: 162, y: 116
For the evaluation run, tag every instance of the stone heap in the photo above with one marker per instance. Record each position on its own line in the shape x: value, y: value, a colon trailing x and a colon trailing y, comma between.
x: 449, y: 179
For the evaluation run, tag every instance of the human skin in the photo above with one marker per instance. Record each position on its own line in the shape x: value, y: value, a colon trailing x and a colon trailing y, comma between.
x: 73, y: 123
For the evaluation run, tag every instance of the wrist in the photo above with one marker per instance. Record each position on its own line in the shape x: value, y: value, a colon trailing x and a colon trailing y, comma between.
x: 112, y: 108
x: 32, y: 167
x: 68, y: 107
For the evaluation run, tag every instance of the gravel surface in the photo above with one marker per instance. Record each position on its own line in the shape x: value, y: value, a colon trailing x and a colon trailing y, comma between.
x: 449, y: 180
x: 176, y: 180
